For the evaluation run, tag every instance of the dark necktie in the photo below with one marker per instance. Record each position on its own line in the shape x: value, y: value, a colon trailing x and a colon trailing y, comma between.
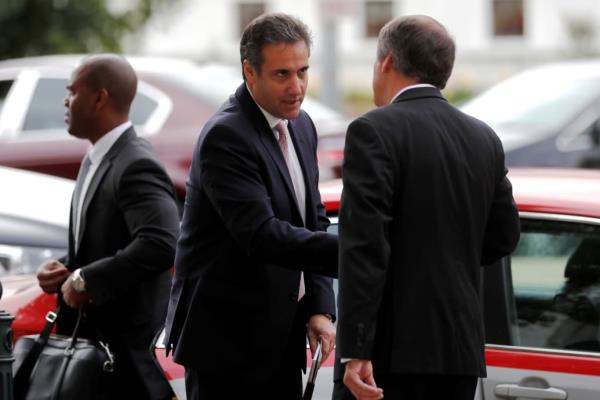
x: 83, y: 171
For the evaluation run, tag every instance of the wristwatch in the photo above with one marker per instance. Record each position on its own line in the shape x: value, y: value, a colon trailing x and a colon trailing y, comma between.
x: 78, y: 281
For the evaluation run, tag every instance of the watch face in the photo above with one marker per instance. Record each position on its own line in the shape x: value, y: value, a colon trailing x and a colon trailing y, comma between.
x: 78, y: 282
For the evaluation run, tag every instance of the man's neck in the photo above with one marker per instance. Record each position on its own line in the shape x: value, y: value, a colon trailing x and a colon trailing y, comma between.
x: 105, y: 126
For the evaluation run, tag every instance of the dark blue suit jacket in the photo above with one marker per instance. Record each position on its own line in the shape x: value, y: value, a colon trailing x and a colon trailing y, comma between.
x: 234, y: 301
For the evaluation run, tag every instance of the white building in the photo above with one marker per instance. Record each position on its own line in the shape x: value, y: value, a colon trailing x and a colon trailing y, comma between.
x: 494, y: 38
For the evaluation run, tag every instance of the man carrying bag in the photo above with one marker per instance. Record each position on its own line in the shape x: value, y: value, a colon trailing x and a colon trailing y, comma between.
x: 123, y: 228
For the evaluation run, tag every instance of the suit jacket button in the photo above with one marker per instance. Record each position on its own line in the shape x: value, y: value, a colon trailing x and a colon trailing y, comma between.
x: 294, y: 296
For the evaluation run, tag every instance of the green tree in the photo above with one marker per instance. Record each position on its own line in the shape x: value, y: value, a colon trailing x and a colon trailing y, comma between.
x: 37, y: 27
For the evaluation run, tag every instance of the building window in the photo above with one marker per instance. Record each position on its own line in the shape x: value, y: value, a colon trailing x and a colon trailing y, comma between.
x: 249, y: 11
x: 377, y: 14
x: 508, y: 17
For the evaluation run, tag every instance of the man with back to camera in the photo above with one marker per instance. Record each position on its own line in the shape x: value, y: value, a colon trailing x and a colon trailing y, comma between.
x: 426, y: 201
x: 253, y: 221
x: 122, y: 233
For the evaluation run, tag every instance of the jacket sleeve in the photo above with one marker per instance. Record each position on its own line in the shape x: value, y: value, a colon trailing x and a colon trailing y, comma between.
x: 503, y: 229
x: 320, y: 298
x: 146, y: 199
x: 231, y: 175
x: 366, y: 214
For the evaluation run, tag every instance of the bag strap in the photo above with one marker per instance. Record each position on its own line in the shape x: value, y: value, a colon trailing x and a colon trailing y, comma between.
x: 66, y: 359
x: 21, y: 378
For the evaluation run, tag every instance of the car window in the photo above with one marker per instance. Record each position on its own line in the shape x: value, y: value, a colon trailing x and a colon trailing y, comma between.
x: 142, y: 108
x: 46, y: 111
x: 4, y: 88
x: 555, y: 273
x: 23, y: 259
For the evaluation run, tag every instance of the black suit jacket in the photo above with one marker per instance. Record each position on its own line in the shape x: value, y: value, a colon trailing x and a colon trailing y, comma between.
x: 128, y: 231
x: 426, y: 201
x: 243, y: 245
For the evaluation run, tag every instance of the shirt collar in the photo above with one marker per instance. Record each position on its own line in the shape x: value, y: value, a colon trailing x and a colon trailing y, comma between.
x: 271, y: 120
x: 98, y: 150
x: 419, y: 85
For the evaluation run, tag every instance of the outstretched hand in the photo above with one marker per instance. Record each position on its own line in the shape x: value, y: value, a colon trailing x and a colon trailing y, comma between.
x: 359, y: 379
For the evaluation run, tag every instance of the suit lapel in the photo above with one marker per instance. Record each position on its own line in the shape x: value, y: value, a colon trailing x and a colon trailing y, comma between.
x: 267, y: 138
x: 301, y: 147
x: 104, y: 166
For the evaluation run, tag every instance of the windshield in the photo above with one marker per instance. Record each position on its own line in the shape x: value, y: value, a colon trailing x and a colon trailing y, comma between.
x: 539, y: 100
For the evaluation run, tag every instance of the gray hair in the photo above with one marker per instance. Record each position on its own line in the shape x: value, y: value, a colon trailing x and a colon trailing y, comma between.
x: 420, y: 47
x: 268, y: 29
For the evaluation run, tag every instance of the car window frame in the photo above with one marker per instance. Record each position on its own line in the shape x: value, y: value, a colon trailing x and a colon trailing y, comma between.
x: 25, y: 82
x: 504, y: 286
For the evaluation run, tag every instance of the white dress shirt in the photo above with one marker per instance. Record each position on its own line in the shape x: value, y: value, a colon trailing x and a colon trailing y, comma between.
x: 96, y: 154
x: 418, y: 85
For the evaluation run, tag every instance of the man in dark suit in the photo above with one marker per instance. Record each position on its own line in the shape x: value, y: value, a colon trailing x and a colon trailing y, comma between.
x: 253, y: 222
x: 426, y: 201
x: 123, y: 230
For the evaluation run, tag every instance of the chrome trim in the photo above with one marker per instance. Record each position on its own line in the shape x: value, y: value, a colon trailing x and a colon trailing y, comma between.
x: 539, y: 350
x: 17, y: 103
x: 559, y: 217
x: 163, y: 110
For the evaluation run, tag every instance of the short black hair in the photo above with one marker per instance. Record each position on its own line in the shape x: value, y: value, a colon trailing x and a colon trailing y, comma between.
x: 421, y: 48
x: 113, y: 73
x: 268, y: 29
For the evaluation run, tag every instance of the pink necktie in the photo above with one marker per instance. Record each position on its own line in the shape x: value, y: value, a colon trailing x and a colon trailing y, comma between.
x: 282, y: 140
x: 283, y: 145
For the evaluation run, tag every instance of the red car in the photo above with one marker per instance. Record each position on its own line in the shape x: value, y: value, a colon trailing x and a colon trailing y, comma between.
x: 174, y: 100
x: 541, y: 304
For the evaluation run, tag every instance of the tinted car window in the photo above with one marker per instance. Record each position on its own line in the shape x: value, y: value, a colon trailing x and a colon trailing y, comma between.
x: 142, y: 108
x: 46, y: 110
x: 4, y: 88
x: 555, y: 274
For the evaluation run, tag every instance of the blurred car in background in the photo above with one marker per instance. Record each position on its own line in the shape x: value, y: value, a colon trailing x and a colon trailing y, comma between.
x: 174, y: 100
x: 546, y: 116
x: 34, y: 220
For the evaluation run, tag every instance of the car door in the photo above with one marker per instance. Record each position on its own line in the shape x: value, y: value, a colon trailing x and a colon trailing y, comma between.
x: 542, y: 313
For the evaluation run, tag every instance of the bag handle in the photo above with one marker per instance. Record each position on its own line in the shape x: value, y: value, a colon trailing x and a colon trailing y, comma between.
x: 21, y: 378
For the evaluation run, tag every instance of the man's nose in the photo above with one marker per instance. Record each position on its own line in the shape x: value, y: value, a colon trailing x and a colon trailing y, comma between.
x: 296, y: 85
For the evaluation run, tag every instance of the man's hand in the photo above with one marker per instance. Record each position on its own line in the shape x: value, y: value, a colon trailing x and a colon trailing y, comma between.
x: 320, y: 326
x: 51, y: 275
x: 359, y: 379
x: 73, y: 298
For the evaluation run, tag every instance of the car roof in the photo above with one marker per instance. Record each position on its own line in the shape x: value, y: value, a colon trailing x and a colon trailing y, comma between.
x: 578, y: 69
x: 545, y: 190
x: 33, y: 196
x: 558, y: 191
x: 72, y: 60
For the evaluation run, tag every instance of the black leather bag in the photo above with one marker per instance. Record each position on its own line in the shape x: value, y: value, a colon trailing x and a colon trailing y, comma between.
x: 56, y: 367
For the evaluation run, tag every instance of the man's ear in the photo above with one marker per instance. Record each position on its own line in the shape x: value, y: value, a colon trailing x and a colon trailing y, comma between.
x: 387, y: 64
x: 102, y: 98
x: 249, y: 72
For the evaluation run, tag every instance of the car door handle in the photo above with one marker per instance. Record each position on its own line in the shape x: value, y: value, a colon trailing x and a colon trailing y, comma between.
x: 512, y: 390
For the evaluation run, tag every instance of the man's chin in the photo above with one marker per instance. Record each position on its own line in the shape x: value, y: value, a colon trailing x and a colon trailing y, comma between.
x: 291, y: 114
